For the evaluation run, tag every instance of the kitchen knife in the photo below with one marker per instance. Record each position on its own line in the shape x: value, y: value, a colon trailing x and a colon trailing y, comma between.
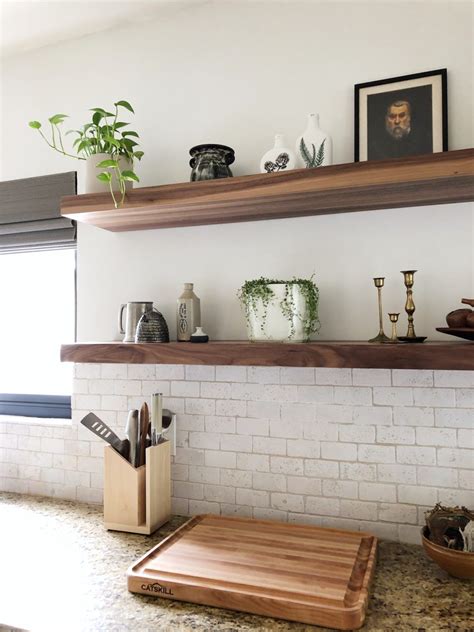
x: 143, y: 423
x: 102, y: 430
x: 131, y: 432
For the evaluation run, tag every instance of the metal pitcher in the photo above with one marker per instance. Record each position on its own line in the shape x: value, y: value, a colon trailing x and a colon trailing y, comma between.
x: 134, y: 311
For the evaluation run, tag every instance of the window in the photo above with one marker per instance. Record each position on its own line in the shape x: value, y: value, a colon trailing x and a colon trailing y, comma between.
x: 37, y: 314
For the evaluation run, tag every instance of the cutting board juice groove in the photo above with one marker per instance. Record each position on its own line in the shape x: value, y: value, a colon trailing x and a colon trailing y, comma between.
x: 137, y: 500
x: 299, y: 573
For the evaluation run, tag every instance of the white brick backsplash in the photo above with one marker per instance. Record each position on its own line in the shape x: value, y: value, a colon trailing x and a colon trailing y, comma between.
x: 396, y: 473
x: 396, y: 435
x: 355, y: 395
x: 417, y: 495
x: 460, y: 379
x: 416, y: 455
x: 434, y: 397
x: 270, y: 445
x: 231, y: 407
x: 358, y: 471
x: 281, y: 465
x: 413, y: 416
x: 340, y: 489
x: 201, y: 474
x: 378, y: 491
x: 246, y: 426
x: 297, y: 375
x: 437, y: 476
x: 367, y: 449
x: 317, y: 394
x: 231, y: 374
x: 371, y: 377
x: 412, y: 377
x: 465, y: 397
x: 200, y: 373
x: 376, y: 454
x: 443, y: 437
x: 263, y: 374
x: 393, y: 396
x: 253, y: 462
x: 304, y: 448
x: 338, y: 451
x: 269, y: 482
x: 456, y: 457
x: 220, y: 424
x: 357, y: 434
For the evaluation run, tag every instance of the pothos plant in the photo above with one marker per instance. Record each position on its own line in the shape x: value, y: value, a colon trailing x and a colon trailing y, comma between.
x: 103, y: 134
x: 258, y: 293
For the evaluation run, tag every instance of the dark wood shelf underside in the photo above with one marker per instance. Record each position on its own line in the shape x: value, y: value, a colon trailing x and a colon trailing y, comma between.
x: 428, y: 355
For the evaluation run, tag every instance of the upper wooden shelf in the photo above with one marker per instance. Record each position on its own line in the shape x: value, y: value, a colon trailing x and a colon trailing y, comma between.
x: 420, y: 180
x: 361, y: 355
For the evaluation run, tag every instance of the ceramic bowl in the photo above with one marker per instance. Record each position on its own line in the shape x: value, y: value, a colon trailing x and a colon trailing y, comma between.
x: 456, y: 563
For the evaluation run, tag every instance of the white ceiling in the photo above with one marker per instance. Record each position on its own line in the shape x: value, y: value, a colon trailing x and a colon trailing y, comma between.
x: 26, y: 25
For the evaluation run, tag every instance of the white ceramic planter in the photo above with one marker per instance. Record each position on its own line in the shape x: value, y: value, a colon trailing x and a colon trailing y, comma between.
x: 277, y: 326
x: 92, y: 184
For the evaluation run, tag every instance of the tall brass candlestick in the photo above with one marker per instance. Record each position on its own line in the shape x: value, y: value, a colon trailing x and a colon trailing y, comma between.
x: 408, y: 277
x: 381, y: 337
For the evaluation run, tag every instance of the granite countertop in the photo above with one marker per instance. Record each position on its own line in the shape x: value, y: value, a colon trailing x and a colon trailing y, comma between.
x: 61, y: 570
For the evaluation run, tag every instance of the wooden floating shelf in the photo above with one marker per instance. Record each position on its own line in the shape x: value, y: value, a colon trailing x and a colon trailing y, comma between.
x: 428, y: 355
x: 439, y: 178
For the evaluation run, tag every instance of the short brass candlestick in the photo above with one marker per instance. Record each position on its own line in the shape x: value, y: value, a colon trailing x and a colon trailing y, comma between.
x: 393, y: 319
x: 381, y: 337
x: 408, y: 277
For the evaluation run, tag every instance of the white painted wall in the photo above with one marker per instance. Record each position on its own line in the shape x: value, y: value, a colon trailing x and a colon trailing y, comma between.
x: 236, y: 73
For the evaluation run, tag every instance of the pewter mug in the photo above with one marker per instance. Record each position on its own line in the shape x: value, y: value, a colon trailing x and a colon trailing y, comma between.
x: 134, y: 311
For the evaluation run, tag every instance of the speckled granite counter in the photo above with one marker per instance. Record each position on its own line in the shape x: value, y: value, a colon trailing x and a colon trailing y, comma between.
x: 60, y: 570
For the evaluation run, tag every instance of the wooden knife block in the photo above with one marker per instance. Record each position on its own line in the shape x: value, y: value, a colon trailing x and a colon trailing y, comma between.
x: 137, y: 500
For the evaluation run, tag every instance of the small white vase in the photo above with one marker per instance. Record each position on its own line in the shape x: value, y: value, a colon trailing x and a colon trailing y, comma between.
x: 93, y: 185
x: 269, y: 323
x: 313, y: 147
x: 279, y: 158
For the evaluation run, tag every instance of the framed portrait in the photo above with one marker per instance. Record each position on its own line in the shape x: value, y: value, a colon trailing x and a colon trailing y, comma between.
x: 402, y: 116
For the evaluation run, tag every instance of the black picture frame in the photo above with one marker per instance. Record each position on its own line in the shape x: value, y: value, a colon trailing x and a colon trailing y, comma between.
x: 409, y: 96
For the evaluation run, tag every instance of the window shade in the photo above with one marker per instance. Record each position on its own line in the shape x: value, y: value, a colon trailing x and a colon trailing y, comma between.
x: 30, y: 217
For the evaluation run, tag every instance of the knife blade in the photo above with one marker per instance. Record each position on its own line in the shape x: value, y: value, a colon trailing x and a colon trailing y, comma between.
x: 143, y: 423
x: 131, y: 432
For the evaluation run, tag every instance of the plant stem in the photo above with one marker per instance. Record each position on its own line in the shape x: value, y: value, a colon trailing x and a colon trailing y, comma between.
x: 57, y: 149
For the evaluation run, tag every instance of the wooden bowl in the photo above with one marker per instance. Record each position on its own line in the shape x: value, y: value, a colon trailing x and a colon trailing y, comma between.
x: 456, y: 563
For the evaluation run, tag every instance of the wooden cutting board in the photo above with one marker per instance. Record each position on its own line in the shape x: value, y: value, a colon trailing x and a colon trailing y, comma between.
x: 300, y: 573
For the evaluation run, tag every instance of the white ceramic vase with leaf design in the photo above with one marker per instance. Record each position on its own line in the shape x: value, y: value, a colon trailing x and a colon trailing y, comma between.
x: 313, y: 147
x: 92, y: 184
x: 279, y: 158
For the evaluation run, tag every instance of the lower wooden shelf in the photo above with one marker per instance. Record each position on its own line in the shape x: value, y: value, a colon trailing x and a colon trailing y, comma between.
x: 363, y: 355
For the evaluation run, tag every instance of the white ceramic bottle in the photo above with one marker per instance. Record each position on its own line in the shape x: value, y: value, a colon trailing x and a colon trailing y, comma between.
x: 313, y: 147
x: 278, y: 158
x: 188, y: 314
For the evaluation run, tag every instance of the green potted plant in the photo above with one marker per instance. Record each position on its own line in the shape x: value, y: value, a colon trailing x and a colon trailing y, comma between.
x: 107, y: 146
x: 280, y: 311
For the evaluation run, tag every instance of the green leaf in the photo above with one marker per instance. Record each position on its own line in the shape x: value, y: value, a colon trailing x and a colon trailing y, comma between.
x: 130, y: 134
x: 126, y: 105
x: 129, y: 144
x: 56, y: 119
x: 104, y: 177
x: 35, y: 124
x: 130, y: 175
x: 96, y: 118
x: 107, y: 164
x: 82, y: 145
x: 119, y: 124
x: 101, y: 111
x: 73, y: 131
x: 138, y: 154
x: 112, y: 141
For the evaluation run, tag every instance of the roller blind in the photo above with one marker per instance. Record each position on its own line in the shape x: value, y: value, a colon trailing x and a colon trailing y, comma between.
x: 30, y: 217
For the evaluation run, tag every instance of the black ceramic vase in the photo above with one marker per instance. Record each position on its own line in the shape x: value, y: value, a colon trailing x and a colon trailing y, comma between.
x: 152, y: 327
x: 210, y: 161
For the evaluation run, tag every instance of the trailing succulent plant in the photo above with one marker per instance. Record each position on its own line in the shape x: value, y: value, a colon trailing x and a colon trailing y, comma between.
x: 452, y: 527
x: 313, y: 159
x: 104, y: 134
x: 256, y: 293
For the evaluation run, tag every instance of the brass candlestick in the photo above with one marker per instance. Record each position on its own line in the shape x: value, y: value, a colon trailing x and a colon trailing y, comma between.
x: 381, y: 337
x: 408, y: 277
x: 393, y: 319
